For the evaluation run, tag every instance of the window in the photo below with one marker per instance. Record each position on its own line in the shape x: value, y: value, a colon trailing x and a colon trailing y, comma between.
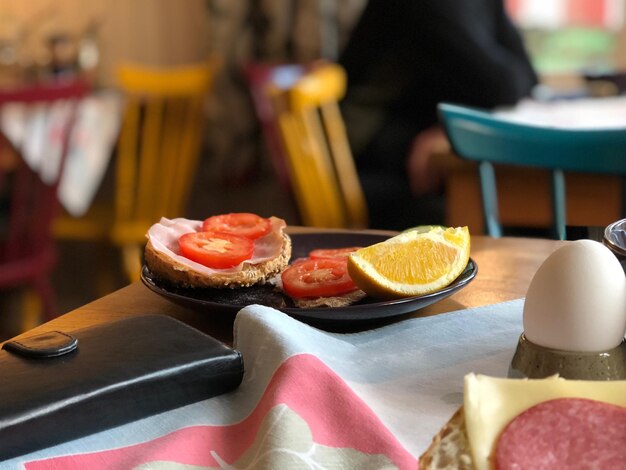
x: 565, y: 36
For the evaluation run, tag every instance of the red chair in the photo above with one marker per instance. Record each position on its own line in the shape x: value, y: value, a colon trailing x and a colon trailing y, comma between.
x: 27, y: 247
x: 259, y: 76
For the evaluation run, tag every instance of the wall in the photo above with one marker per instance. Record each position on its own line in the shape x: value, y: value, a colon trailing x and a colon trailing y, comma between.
x: 151, y: 31
x: 163, y: 32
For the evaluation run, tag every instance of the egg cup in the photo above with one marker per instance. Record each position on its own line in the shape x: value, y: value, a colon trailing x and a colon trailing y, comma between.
x: 535, y: 362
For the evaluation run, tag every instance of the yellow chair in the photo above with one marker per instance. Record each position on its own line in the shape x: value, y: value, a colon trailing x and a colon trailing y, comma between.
x: 322, y: 171
x: 157, y: 156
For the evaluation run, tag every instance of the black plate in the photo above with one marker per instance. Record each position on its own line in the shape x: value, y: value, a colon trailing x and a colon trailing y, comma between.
x: 368, y: 309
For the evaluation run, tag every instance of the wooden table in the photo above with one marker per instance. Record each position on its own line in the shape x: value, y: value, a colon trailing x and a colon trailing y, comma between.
x: 524, y: 197
x: 505, y: 268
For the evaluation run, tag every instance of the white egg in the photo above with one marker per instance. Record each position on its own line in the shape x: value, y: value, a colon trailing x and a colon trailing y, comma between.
x: 577, y: 299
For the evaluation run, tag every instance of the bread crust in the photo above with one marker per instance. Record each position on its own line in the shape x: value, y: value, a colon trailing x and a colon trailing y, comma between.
x: 168, y: 269
x: 449, y: 449
x: 337, y: 301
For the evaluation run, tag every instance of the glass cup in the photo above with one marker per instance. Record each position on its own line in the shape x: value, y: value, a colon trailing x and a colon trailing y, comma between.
x: 615, y: 239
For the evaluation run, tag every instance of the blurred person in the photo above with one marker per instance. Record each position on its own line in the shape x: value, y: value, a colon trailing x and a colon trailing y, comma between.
x: 402, y: 59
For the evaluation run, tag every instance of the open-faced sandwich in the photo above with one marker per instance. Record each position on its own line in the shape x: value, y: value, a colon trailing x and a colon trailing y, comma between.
x: 223, y: 251
x: 550, y: 423
x: 243, y: 249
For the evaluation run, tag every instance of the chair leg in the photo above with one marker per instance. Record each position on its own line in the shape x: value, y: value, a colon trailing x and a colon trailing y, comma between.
x: 30, y: 309
x: 559, y: 204
x: 489, y: 195
x: 106, y: 279
x: 44, y: 288
x: 131, y: 255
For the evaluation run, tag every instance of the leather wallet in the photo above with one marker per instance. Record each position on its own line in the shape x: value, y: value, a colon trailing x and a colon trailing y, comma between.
x: 56, y: 386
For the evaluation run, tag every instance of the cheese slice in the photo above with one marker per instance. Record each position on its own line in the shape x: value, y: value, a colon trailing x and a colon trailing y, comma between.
x: 491, y: 403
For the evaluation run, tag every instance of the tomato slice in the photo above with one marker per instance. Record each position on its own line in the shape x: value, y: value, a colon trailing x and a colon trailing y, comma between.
x: 242, y: 224
x: 214, y: 249
x: 333, y: 253
x: 317, y: 278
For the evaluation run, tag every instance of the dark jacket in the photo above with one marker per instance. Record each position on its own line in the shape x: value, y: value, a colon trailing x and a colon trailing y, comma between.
x: 405, y: 56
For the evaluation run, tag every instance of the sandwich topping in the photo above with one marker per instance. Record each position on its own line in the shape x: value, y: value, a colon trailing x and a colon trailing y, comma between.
x: 312, y: 278
x: 165, y: 235
x: 243, y: 224
x: 216, y: 250
x: 564, y: 433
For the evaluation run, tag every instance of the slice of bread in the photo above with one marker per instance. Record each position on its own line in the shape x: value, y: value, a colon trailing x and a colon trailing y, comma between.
x: 174, y: 272
x: 450, y: 448
x: 337, y: 301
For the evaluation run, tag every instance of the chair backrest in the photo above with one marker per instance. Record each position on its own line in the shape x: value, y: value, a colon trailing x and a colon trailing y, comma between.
x: 483, y: 137
x: 322, y: 170
x: 159, y: 143
x: 37, y: 122
x: 260, y: 76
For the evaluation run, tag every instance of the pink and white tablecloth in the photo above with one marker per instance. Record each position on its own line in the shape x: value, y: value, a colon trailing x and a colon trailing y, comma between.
x: 313, y: 399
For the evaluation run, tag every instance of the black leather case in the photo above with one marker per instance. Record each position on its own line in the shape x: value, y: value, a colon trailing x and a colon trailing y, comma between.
x: 56, y: 387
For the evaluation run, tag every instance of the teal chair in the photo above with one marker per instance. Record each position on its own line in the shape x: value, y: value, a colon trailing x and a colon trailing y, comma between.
x: 485, y: 138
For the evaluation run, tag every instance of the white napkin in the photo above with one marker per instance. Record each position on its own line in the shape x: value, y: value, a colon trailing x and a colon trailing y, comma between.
x: 410, y: 373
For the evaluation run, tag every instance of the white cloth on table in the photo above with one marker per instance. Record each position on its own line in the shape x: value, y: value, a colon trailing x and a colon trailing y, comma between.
x: 581, y: 113
x: 36, y: 131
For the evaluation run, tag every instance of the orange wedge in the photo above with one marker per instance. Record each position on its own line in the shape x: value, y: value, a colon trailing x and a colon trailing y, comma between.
x: 412, y: 263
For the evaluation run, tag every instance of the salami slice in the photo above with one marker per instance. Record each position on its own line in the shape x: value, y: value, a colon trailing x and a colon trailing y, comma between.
x: 565, y: 433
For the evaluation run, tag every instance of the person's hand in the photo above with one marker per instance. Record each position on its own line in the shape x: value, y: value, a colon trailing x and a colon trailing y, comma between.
x: 425, y: 176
